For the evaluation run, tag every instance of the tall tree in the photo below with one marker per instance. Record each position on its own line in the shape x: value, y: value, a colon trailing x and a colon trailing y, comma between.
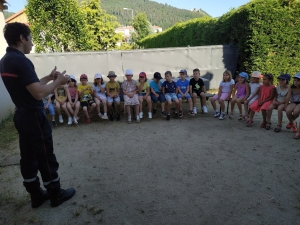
x: 141, y: 25
x: 101, y: 25
x: 57, y: 26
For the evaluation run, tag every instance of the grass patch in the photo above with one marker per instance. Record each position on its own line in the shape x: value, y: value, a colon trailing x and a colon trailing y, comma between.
x: 8, y: 132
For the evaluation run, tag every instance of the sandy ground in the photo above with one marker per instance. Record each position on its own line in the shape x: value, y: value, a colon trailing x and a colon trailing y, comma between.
x: 193, y: 170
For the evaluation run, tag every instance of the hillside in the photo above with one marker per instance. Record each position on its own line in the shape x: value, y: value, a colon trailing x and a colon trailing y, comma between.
x: 7, y: 14
x: 162, y: 15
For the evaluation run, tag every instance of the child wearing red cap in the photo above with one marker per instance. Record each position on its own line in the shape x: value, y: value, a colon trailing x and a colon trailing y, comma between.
x: 144, y: 94
x: 85, y: 92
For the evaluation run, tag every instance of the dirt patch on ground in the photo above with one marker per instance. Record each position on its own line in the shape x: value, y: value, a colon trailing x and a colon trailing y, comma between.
x: 193, y: 170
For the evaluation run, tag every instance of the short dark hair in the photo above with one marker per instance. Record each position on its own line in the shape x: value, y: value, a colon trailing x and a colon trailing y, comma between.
x: 168, y: 72
x: 13, y: 31
x: 196, y: 70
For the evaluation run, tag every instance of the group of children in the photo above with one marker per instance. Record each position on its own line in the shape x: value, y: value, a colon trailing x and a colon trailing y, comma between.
x: 264, y: 97
x: 70, y: 97
x: 256, y: 96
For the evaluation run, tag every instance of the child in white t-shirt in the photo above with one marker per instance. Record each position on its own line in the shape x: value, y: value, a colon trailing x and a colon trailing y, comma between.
x: 224, y: 93
x: 100, y: 95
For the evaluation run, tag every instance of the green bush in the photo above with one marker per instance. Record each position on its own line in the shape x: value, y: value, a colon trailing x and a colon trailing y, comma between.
x: 267, y: 33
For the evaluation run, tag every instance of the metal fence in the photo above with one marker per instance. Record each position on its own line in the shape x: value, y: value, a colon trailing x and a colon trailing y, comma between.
x: 211, y: 60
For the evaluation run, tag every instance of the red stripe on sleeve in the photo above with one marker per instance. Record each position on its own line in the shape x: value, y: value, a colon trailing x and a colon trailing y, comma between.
x: 9, y: 75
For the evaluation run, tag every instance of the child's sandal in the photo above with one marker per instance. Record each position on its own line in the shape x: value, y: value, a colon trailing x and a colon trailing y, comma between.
x: 297, y: 136
x: 246, y: 117
x: 263, y: 125
x: 231, y: 115
x: 249, y: 122
x: 268, y: 126
x: 240, y: 117
x: 278, y: 128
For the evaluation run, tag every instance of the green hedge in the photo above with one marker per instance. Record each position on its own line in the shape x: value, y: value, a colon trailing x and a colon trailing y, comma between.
x: 267, y: 33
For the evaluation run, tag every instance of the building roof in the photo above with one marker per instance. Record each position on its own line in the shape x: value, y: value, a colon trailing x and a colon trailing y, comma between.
x: 14, y: 16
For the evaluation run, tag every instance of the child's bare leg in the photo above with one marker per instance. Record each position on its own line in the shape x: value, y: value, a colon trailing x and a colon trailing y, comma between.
x: 97, y: 105
x: 118, y: 107
x: 176, y: 105
x: 289, y: 112
x: 246, y: 108
x: 280, y: 114
x: 180, y: 104
x: 85, y: 112
x: 109, y: 108
x: 194, y: 99
x: 203, y: 99
x: 64, y: 106
x: 251, y: 115
x: 296, y: 112
x: 136, y: 109
x: 239, y: 104
x: 149, y: 103
x: 169, y: 107
x: 190, y: 103
x: 213, y: 103
x: 69, y: 107
x: 93, y: 106
x: 58, y: 108
x: 127, y: 107
x: 77, y: 107
x: 269, y: 113
x: 163, y: 106
x: 222, y: 104
x: 104, y: 105
x: 141, y: 99
x: 233, y: 100
x: 264, y: 115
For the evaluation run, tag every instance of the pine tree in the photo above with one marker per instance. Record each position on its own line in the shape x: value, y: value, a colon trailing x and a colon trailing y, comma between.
x: 57, y: 26
x: 101, y: 25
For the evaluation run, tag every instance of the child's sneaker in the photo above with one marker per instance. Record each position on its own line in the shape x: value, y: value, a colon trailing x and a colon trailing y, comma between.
x: 180, y: 113
x: 54, y: 123
x: 204, y: 108
x: 100, y: 115
x: 88, y: 120
x: 138, y: 119
x: 60, y: 119
x: 195, y: 110
x: 118, y: 117
x: 70, y: 120
x: 129, y: 119
x: 111, y: 117
x: 168, y: 117
x: 217, y: 114
x: 149, y: 115
x: 191, y: 113
x: 163, y: 113
x: 141, y: 115
x: 75, y: 120
x: 222, y: 116
x: 105, y: 116
x: 154, y: 112
x: 175, y: 114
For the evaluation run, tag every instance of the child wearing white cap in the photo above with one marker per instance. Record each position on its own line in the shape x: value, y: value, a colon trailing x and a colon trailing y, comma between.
x: 100, y: 95
x: 131, y: 98
x: 73, y: 104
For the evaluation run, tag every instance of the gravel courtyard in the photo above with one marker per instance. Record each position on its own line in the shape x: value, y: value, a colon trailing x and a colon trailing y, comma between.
x: 193, y: 170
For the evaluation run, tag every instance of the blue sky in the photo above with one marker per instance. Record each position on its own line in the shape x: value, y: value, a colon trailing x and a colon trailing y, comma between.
x: 215, y: 8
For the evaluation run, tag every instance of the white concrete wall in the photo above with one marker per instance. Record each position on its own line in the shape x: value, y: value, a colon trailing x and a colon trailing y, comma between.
x: 6, y: 105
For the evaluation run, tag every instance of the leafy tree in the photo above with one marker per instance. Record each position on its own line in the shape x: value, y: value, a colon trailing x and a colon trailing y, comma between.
x: 101, y: 25
x: 57, y: 26
x: 141, y: 26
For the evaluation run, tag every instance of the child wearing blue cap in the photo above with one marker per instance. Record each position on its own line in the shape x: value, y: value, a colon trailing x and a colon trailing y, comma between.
x: 293, y: 108
x: 240, y: 93
x: 279, y: 101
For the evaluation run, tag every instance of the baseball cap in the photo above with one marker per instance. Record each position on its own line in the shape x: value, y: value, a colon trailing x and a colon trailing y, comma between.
x: 157, y: 75
x: 128, y: 72
x: 256, y: 74
x: 83, y: 76
x: 297, y: 76
x: 111, y: 74
x: 72, y: 77
x: 183, y: 71
x: 244, y: 75
x: 284, y: 77
x: 142, y: 74
x: 98, y: 75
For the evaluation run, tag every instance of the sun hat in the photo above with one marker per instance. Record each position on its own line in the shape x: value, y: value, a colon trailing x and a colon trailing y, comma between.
x: 111, y: 74
x: 183, y: 71
x: 83, y: 76
x: 244, y: 75
x: 284, y: 77
x: 297, y: 76
x: 128, y: 72
x: 157, y: 75
x: 256, y: 74
x: 98, y: 75
x: 142, y: 74
x: 72, y: 77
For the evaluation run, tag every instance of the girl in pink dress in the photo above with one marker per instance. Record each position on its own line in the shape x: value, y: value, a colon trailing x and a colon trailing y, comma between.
x: 240, y: 93
x: 131, y: 98
x: 73, y: 104
x: 265, y: 98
